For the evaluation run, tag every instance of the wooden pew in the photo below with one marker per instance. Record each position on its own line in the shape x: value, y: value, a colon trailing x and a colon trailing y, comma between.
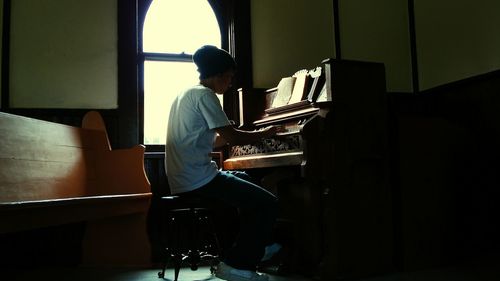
x: 53, y: 174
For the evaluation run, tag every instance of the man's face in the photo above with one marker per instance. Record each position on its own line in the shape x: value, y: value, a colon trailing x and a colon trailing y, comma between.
x: 224, y: 81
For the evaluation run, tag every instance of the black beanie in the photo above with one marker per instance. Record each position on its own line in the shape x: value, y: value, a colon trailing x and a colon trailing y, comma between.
x: 211, y: 61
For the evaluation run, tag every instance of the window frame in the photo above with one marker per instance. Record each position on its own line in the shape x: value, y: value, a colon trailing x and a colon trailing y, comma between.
x: 162, y: 57
x: 233, y: 17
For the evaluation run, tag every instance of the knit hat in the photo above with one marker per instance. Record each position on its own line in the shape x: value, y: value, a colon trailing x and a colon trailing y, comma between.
x: 211, y: 61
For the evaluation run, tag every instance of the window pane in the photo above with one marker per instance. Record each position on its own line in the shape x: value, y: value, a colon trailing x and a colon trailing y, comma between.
x: 180, y: 26
x: 163, y: 81
x: 172, y: 27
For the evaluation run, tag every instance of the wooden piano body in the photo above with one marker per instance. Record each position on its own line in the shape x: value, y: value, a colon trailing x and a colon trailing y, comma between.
x: 329, y: 170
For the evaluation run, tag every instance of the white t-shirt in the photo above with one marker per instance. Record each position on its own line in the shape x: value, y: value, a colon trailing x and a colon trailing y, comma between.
x: 190, y: 135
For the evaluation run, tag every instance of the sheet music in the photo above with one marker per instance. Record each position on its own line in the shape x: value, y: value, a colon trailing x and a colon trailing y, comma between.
x: 284, y: 93
x: 299, y: 87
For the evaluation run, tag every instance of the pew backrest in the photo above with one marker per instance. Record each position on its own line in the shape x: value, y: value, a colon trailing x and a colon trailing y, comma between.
x: 45, y: 164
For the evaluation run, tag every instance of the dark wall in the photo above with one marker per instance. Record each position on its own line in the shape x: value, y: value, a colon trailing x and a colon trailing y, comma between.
x: 445, y: 166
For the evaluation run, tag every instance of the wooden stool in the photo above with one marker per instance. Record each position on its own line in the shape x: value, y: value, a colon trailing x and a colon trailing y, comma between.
x: 188, y: 234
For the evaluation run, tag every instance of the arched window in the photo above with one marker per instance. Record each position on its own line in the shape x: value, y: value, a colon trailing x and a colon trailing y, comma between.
x: 172, y: 31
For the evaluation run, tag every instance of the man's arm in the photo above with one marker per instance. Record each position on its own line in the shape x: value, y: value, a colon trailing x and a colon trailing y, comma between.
x: 233, y: 136
x: 219, y: 141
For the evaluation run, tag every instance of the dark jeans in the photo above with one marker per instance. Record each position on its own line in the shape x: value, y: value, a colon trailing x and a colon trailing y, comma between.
x: 257, y: 209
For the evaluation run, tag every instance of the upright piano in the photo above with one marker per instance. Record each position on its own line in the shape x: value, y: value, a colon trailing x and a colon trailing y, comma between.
x: 329, y: 166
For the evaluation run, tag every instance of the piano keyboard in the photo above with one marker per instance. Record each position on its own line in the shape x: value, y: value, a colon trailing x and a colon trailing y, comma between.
x: 288, y: 141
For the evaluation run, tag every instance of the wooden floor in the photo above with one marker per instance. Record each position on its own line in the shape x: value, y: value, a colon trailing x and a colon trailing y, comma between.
x: 116, y: 274
x: 489, y: 271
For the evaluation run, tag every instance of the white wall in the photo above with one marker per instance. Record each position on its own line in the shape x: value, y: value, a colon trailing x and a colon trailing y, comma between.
x: 1, y: 36
x: 63, y: 54
x: 289, y: 35
x: 77, y: 66
x: 378, y: 31
x: 456, y: 39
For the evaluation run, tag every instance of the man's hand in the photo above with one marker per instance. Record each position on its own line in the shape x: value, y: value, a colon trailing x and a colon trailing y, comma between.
x: 239, y: 137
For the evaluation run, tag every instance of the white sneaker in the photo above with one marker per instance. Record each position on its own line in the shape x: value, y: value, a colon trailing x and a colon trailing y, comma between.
x: 226, y: 272
x: 270, y: 251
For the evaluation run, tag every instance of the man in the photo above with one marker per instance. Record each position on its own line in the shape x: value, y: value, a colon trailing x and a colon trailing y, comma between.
x: 196, y: 118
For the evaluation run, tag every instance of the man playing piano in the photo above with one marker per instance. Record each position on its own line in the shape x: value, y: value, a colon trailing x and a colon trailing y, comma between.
x: 196, y: 117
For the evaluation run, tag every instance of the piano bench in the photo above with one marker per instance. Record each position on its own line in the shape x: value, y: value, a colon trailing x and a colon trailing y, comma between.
x: 188, y: 234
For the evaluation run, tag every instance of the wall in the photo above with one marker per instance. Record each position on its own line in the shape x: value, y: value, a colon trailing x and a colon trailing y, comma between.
x: 456, y: 39
x: 378, y: 31
x: 1, y: 36
x: 369, y: 30
x: 444, y: 137
x: 289, y: 35
x: 69, y: 61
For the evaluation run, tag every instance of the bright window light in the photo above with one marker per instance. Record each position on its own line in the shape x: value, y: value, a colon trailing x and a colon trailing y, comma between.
x: 174, y: 28
x: 162, y: 81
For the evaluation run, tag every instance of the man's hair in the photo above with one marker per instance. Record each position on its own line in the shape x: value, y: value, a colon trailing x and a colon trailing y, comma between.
x: 212, y: 61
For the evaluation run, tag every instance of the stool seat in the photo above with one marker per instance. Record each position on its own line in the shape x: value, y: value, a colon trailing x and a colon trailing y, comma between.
x: 188, y: 233
x: 187, y: 201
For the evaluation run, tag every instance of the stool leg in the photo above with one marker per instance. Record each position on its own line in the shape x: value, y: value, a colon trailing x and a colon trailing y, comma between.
x: 161, y: 274
x: 177, y: 256
x: 172, y: 226
x: 177, y: 265
x: 192, y: 234
x: 214, y: 234
x: 172, y: 252
x: 212, y: 257
x: 168, y: 256
x: 215, y: 260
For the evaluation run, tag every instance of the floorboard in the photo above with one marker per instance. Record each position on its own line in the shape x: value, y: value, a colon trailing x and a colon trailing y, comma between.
x: 472, y: 272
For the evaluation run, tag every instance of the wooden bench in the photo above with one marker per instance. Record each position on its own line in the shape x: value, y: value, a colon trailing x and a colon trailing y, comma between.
x: 53, y: 174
